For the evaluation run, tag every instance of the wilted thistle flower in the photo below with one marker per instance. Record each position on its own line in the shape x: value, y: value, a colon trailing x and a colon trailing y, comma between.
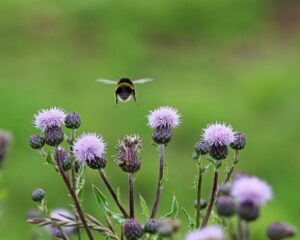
x: 207, y: 233
x: 90, y: 149
x: 226, y: 206
x: 239, y: 141
x: 5, y: 140
x: 38, y: 194
x: 127, y: 151
x: 151, y: 226
x: 278, y: 231
x: 167, y: 227
x: 218, y: 136
x: 163, y: 120
x: 64, y: 158
x: 72, y: 120
x: 250, y: 193
x: 36, y: 142
x: 48, y: 118
x: 59, y: 215
x: 133, y: 230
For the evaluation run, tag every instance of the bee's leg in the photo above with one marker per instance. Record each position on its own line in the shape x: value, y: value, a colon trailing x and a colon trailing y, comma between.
x: 117, y: 100
x: 133, y: 94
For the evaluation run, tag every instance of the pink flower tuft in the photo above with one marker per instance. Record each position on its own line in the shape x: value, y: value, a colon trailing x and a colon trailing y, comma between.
x: 208, y: 233
x: 88, y: 147
x: 218, y: 134
x: 251, y: 189
x: 46, y: 118
x: 164, y: 117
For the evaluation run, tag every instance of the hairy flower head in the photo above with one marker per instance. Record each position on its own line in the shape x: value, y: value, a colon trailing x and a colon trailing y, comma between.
x: 218, y: 134
x: 208, y: 233
x: 251, y: 189
x: 47, y: 118
x: 164, y: 117
x: 89, y: 147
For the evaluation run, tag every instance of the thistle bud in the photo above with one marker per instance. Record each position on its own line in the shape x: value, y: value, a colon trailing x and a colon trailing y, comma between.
x: 133, y: 230
x: 225, y: 189
x: 225, y: 206
x: 278, y: 231
x: 218, y: 152
x: 202, y: 147
x: 36, y: 142
x: 239, y: 141
x: 248, y: 211
x: 203, y: 204
x: 64, y: 158
x: 38, y: 194
x: 54, y: 136
x: 151, y: 226
x: 73, y: 120
x: 127, y: 151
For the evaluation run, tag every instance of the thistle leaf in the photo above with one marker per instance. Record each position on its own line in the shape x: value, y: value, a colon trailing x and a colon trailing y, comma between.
x: 100, y: 198
x: 144, y: 207
x: 190, y: 221
x: 174, y: 208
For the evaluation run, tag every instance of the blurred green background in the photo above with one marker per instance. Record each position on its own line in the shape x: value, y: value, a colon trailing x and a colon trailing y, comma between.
x: 235, y: 61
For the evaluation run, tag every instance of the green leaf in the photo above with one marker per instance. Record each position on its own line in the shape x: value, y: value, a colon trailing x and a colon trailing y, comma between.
x: 117, y: 217
x: 100, y: 198
x: 191, y: 222
x: 144, y: 207
x: 174, y: 208
x: 49, y: 159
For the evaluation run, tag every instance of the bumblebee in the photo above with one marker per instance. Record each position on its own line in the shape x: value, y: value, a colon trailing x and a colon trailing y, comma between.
x: 125, y: 88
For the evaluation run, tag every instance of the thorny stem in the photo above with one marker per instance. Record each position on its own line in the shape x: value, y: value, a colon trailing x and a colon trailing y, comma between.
x: 231, y: 170
x: 199, y: 189
x: 212, y: 199
x: 75, y: 199
x: 160, y: 177
x: 131, y: 195
x: 73, y: 173
x: 112, y: 192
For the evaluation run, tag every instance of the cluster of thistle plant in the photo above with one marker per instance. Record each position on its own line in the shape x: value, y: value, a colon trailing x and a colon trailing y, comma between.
x: 241, y: 197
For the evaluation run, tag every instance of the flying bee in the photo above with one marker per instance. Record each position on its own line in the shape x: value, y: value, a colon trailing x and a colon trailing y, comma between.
x: 125, y: 88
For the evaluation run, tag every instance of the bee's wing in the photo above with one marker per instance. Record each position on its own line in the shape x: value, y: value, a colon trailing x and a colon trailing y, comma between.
x: 106, y: 81
x: 144, y: 80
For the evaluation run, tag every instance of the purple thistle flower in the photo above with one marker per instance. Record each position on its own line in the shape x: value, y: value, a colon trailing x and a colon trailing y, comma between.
x: 57, y: 214
x: 164, y: 117
x: 218, y: 134
x: 89, y: 147
x: 208, y: 233
x: 251, y: 189
x: 47, y: 118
